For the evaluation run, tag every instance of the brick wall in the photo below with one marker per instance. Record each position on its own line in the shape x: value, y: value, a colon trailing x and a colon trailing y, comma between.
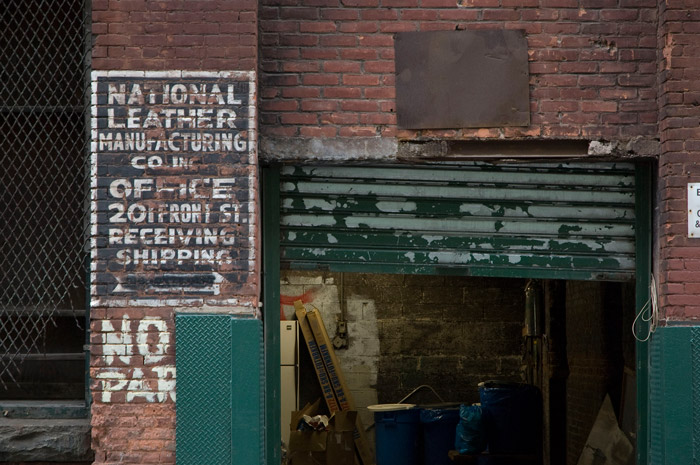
x: 132, y: 372
x: 327, y: 67
x: 679, y: 94
x: 409, y: 330
x: 132, y: 366
x: 594, y: 316
x: 174, y: 34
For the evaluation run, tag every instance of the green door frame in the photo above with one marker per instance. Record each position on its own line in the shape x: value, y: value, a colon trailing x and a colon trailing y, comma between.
x: 270, y: 204
x: 270, y: 196
x: 643, y: 244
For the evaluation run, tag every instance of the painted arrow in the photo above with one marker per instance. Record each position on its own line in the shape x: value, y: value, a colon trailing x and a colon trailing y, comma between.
x: 173, y: 283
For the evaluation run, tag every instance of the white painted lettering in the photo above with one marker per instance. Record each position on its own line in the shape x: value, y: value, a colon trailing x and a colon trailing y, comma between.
x: 111, y: 123
x: 135, y: 96
x: 225, y: 117
x: 116, y: 95
x: 231, y: 99
x: 120, y: 188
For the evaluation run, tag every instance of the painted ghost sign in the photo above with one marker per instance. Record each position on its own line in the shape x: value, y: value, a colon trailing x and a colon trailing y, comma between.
x: 173, y: 172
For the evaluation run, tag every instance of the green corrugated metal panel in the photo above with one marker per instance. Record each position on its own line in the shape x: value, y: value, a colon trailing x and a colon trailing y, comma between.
x: 674, y: 396
x: 219, y: 376
x: 656, y: 426
x: 248, y: 387
x: 567, y: 221
x: 695, y: 348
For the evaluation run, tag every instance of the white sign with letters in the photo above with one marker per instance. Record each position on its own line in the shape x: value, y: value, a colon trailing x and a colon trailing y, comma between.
x: 173, y: 186
x: 694, y: 209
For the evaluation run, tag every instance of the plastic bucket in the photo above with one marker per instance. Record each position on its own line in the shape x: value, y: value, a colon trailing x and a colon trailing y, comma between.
x: 512, y: 416
x: 439, y: 431
x: 397, y: 435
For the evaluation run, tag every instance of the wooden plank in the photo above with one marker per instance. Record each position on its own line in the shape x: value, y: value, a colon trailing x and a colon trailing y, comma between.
x: 319, y: 367
x: 337, y: 378
x: 330, y: 360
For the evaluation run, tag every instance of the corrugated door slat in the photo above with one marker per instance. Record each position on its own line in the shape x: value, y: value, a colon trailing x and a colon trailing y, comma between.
x: 567, y: 221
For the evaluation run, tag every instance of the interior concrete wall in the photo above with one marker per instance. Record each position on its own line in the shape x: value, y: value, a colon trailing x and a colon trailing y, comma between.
x: 408, y: 330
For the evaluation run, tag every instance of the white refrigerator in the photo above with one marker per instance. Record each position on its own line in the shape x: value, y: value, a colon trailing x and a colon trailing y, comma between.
x: 289, y: 368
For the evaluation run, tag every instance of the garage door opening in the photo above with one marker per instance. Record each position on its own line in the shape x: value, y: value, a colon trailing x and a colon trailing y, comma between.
x: 454, y: 332
x: 433, y: 271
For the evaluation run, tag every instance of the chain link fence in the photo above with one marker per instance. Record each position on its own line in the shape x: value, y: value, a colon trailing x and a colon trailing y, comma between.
x: 44, y: 91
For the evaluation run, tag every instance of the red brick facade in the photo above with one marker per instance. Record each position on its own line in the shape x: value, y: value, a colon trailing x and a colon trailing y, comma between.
x: 133, y: 421
x: 175, y: 34
x: 611, y: 70
x: 679, y: 95
x: 133, y: 347
x: 327, y: 67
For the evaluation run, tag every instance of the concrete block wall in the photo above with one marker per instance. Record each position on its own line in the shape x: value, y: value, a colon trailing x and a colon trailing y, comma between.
x: 449, y: 332
x: 327, y: 67
x: 132, y: 365
x: 405, y: 331
x: 359, y: 361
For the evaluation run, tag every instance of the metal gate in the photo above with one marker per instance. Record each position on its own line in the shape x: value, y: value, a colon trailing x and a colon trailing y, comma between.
x: 44, y: 59
x: 554, y: 221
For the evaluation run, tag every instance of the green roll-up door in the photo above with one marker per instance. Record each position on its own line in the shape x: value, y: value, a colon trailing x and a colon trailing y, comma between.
x: 219, y: 390
x: 556, y: 221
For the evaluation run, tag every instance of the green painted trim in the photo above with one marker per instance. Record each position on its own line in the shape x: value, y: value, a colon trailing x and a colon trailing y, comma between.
x: 270, y: 194
x: 643, y: 214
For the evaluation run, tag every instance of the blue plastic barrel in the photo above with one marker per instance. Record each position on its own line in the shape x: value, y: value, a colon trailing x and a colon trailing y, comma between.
x: 512, y: 414
x: 439, y: 430
x: 397, y: 436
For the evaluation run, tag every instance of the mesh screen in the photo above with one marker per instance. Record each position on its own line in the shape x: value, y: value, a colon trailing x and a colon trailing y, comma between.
x: 43, y: 172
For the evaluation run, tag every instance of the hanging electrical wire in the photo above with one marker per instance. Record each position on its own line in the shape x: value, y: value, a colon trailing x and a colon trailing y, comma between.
x: 649, y: 313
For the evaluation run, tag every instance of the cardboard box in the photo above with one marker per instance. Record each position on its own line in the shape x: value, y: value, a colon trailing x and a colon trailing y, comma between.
x: 340, y: 442
x: 307, y: 447
x: 336, y: 446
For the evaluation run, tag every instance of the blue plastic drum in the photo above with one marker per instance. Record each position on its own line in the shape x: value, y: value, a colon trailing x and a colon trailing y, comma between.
x: 439, y: 430
x: 397, y: 434
x: 512, y: 414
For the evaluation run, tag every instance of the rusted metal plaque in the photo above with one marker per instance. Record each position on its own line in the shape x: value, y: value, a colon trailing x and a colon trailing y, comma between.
x: 462, y: 79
